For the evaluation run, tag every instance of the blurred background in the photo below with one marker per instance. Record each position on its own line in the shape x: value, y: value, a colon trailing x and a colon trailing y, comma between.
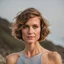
x: 52, y: 10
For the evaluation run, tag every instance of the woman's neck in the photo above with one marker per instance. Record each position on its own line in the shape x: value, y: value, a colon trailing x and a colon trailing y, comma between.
x: 32, y: 49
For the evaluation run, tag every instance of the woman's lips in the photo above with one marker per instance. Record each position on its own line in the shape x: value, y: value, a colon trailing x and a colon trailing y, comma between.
x: 30, y: 37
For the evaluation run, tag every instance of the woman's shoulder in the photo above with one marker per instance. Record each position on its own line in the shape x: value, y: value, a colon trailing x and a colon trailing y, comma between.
x: 12, y: 58
x: 55, y: 57
x: 12, y: 55
x: 54, y: 54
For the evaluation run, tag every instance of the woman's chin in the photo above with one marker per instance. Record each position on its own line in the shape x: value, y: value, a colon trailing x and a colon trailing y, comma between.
x: 30, y: 41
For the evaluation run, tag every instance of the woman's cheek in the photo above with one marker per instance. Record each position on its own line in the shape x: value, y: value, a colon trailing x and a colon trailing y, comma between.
x: 38, y: 33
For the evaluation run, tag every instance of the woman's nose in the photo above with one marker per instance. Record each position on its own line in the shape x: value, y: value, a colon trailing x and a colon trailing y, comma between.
x: 30, y: 31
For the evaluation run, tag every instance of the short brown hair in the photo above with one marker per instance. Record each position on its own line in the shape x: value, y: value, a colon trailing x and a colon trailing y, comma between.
x: 23, y: 17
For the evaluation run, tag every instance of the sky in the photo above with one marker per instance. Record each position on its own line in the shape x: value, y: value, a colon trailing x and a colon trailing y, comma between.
x: 52, y: 10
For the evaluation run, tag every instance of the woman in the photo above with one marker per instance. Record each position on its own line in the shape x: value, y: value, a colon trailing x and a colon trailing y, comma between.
x: 32, y: 28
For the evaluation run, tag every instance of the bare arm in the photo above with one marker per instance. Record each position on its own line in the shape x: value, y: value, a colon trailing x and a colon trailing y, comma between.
x: 12, y: 59
x: 57, y: 58
x: 9, y: 61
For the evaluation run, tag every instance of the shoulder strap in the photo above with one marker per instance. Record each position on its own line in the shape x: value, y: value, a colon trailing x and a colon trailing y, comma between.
x: 44, y: 54
x: 19, y: 53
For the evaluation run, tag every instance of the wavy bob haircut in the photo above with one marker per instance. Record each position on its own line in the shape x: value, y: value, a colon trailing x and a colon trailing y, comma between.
x: 23, y: 17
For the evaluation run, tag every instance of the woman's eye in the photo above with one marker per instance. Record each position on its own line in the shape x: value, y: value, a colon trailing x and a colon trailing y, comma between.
x: 35, y: 26
x: 25, y: 26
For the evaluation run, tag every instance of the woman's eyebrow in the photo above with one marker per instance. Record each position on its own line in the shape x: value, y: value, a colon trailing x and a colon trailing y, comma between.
x: 29, y: 25
x: 35, y: 24
x: 26, y: 25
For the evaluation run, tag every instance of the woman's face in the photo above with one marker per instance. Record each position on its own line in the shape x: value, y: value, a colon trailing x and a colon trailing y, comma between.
x: 31, y: 30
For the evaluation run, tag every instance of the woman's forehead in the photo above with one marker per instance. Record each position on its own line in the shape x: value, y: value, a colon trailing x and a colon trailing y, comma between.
x: 34, y: 20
